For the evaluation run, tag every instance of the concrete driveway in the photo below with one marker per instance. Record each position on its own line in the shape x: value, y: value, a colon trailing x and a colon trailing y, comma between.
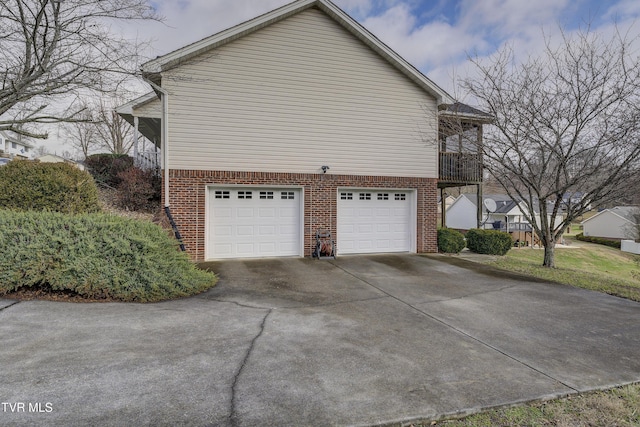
x: 361, y: 340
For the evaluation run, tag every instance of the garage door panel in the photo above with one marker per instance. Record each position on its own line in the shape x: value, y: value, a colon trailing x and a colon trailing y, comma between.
x: 374, y: 221
x: 223, y: 231
x: 267, y: 230
x: 383, y: 228
x: 244, y: 249
x: 245, y: 212
x: 288, y: 212
x: 246, y: 222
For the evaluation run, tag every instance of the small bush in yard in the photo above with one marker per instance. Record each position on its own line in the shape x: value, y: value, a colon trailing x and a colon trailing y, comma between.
x: 105, y: 167
x: 491, y: 242
x: 56, y: 187
x: 96, y: 256
x: 450, y: 241
x: 138, y: 189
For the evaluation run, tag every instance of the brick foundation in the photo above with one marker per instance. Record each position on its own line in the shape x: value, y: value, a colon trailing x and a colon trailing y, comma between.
x: 187, y: 194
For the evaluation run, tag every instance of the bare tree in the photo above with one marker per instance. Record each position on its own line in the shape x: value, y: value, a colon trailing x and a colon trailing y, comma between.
x: 52, y: 51
x: 112, y: 131
x: 566, y: 122
x: 82, y: 134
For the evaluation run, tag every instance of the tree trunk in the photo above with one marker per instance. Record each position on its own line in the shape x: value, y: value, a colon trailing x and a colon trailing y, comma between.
x: 549, y: 254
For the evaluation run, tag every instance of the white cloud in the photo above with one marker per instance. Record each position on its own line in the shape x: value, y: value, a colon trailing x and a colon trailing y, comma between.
x: 191, y: 20
x: 424, y: 45
x: 623, y: 9
x: 505, y: 18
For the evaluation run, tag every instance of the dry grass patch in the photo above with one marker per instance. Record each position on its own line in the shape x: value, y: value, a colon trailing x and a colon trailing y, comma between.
x: 616, y: 407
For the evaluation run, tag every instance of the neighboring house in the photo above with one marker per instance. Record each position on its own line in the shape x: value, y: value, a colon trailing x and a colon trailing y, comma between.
x: 13, y: 145
x: 620, y: 222
x: 575, y: 198
x: 52, y: 158
x: 508, y: 216
x: 448, y: 201
x: 297, y: 121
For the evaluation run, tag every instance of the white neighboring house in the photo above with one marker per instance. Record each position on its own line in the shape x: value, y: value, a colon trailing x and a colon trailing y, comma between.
x: 508, y: 216
x: 52, y: 158
x: 13, y: 145
x: 620, y: 222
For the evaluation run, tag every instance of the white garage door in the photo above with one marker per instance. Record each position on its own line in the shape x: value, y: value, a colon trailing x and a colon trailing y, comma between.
x: 253, y: 222
x: 374, y: 221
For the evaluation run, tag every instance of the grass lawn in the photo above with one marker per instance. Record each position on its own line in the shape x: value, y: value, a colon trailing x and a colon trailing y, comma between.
x: 589, y: 266
x: 615, y: 407
x: 585, y: 265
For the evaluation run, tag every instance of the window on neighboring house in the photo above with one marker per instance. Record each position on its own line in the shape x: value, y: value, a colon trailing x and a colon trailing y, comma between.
x: 14, y: 145
x: 26, y: 149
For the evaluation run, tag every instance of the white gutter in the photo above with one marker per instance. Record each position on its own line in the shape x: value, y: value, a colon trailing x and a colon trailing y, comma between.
x: 164, y: 137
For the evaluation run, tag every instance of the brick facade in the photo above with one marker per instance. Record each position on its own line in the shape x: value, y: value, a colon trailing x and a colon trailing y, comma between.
x: 187, y: 193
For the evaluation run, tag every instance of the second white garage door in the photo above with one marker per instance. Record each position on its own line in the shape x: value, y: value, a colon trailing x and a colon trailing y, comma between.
x: 374, y: 221
x: 246, y: 222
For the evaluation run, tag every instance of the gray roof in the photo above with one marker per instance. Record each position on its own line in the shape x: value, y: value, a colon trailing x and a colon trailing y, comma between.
x: 504, y: 203
x: 630, y: 213
x: 466, y: 111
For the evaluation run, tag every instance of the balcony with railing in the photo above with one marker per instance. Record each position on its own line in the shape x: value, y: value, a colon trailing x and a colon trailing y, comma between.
x: 460, y: 145
x: 460, y: 168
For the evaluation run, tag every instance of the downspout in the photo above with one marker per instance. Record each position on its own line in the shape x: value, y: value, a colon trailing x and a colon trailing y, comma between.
x: 164, y: 138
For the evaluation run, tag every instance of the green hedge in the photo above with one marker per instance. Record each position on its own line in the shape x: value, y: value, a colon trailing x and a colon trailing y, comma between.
x: 95, y: 256
x: 599, y: 240
x: 490, y: 242
x: 56, y: 187
x: 450, y: 241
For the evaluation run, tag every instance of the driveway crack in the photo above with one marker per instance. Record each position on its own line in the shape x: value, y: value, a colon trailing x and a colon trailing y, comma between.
x: 257, y: 307
x: 233, y: 416
x: 10, y: 305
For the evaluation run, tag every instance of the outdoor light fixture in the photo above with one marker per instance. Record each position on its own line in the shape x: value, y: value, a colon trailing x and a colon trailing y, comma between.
x: 325, y: 169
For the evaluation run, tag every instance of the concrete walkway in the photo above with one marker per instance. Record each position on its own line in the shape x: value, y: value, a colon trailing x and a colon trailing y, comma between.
x: 362, y: 340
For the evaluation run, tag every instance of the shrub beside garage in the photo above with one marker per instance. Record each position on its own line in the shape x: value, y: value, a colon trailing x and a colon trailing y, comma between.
x: 450, y: 241
x: 95, y: 256
x: 491, y: 242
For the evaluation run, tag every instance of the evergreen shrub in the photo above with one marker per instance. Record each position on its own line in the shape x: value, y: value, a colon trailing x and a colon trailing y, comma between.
x: 96, y: 256
x: 57, y: 187
x: 491, y: 242
x: 450, y: 241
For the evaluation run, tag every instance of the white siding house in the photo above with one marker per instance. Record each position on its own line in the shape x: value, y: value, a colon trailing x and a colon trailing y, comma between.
x: 615, y: 223
x: 461, y: 215
x: 14, y: 145
x: 297, y: 121
x: 508, y: 216
x: 308, y: 86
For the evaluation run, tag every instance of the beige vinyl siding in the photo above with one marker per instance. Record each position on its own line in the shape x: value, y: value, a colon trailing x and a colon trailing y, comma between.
x: 297, y: 95
x: 150, y: 109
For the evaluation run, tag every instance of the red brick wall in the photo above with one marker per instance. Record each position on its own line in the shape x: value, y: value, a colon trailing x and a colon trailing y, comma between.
x: 187, y: 194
